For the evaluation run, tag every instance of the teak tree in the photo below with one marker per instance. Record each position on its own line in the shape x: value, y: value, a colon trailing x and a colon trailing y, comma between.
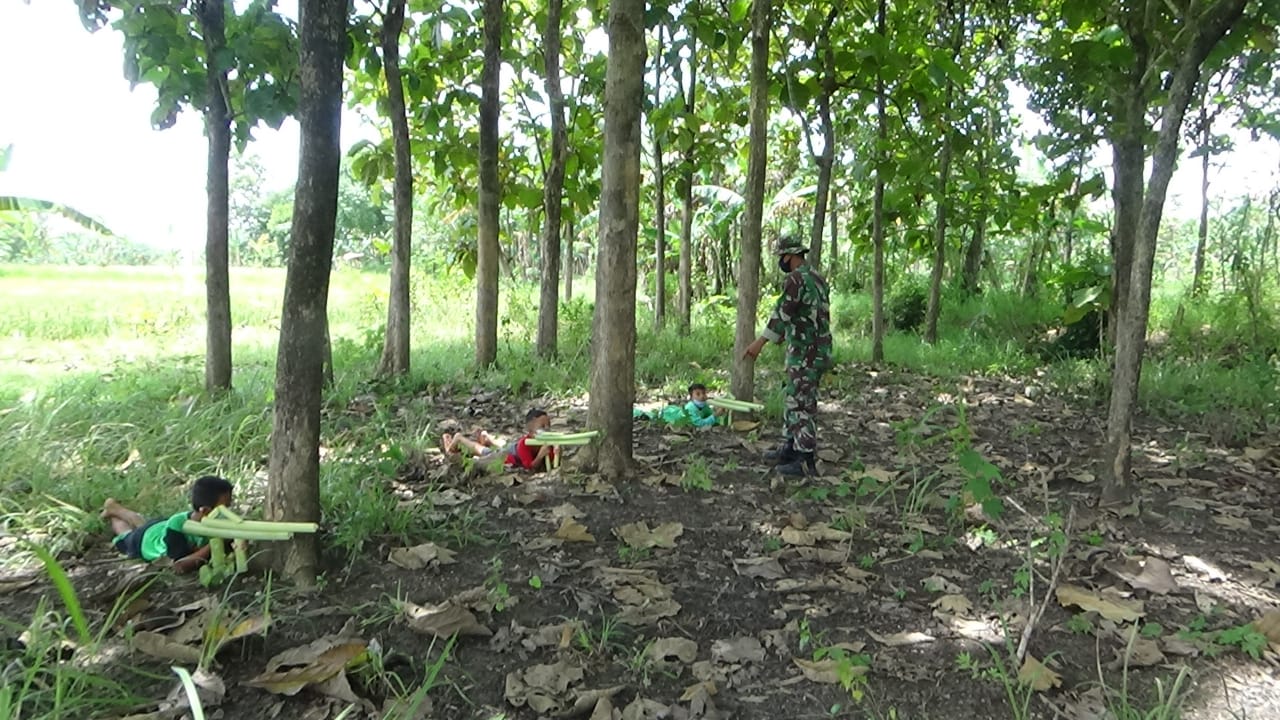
x: 487, y: 248
x: 293, y: 489
x: 187, y: 51
x: 613, y: 326
x: 742, y: 380
x: 396, y: 346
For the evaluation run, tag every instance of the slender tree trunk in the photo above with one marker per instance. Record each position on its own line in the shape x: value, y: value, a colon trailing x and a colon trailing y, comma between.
x: 1131, y: 332
x: 293, y: 489
x: 826, y: 161
x: 568, y: 259
x: 742, y: 379
x: 685, y: 298
x: 973, y: 253
x: 660, y: 180
x: 395, y: 348
x: 487, y: 249
x: 943, y: 201
x: 1202, y: 240
x: 217, y: 283
x: 613, y: 356
x: 833, y: 264
x: 553, y: 193
x: 877, y: 202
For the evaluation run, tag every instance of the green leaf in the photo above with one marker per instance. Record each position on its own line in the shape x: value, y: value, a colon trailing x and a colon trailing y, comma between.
x: 738, y: 10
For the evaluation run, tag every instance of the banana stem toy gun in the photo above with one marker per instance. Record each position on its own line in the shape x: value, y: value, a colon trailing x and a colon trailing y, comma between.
x: 558, y: 440
x: 223, y: 524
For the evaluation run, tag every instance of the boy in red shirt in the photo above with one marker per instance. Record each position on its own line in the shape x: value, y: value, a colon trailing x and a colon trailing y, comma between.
x: 518, y: 454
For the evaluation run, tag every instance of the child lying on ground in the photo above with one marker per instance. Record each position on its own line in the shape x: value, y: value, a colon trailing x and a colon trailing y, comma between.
x: 519, y: 454
x: 149, y: 540
x: 696, y: 412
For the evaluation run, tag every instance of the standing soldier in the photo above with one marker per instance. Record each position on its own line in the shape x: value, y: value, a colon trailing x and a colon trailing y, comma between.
x: 801, y: 318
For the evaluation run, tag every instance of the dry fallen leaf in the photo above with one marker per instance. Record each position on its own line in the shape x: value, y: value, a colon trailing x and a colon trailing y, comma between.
x: 308, y: 665
x: 421, y: 556
x: 1037, y: 676
x: 682, y: 649
x: 160, y: 646
x: 954, y: 604
x: 745, y: 425
x: 443, y: 620
x: 1269, y: 625
x: 1114, y: 609
x: 939, y: 584
x: 638, y: 535
x: 448, y: 497
x: 573, y: 531
x: 737, y: 650
x: 901, y: 638
x: 1152, y: 574
x: 1233, y: 523
x: 705, y: 686
x: 827, y: 670
x: 765, y: 568
x: 544, y: 688
x: 1143, y: 653
x: 815, y: 533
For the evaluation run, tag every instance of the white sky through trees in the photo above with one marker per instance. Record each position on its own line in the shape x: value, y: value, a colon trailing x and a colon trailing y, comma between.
x: 82, y: 138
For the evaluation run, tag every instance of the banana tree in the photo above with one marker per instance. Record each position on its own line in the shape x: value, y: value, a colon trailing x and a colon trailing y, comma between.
x: 20, y: 204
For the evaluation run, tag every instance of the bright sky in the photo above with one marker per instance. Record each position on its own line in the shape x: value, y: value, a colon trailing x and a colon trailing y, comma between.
x: 83, y: 139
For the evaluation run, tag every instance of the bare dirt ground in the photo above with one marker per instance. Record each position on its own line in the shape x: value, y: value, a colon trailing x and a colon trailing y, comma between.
x: 708, y: 588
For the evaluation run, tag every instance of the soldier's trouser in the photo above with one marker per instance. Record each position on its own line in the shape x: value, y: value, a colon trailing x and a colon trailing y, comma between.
x: 800, y: 407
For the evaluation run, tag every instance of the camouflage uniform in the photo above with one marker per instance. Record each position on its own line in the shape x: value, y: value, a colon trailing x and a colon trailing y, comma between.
x: 801, y: 318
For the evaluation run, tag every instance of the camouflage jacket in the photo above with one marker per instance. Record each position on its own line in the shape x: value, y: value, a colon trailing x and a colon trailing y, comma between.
x: 801, y: 320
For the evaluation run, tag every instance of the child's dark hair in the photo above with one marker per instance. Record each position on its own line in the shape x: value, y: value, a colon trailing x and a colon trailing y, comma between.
x: 534, y: 414
x: 697, y: 386
x: 206, y: 491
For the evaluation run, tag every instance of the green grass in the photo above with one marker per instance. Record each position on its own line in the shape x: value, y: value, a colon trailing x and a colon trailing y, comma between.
x: 101, y: 373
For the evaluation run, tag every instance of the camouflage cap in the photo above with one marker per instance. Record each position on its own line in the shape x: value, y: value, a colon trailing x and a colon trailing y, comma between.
x: 788, y: 245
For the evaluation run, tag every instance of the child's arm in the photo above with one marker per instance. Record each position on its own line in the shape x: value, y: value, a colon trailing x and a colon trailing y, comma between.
x: 194, y: 560
x: 541, y: 457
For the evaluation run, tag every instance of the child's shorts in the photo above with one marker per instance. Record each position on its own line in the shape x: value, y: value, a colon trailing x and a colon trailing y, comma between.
x: 130, y: 543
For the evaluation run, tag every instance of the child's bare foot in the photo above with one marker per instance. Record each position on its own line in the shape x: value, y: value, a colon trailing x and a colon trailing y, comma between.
x: 449, y: 442
x: 113, y: 510
x: 485, y: 439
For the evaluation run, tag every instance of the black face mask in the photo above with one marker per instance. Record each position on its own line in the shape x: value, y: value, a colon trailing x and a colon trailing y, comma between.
x: 784, y: 264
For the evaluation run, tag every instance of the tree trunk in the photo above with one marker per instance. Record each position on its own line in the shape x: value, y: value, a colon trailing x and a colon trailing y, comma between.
x: 395, y: 348
x: 742, y: 380
x: 613, y: 347
x: 877, y: 202
x: 685, y: 300
x: 973, y: 253
x: 944, y: 175
x: 834, y: 262
x: 487, y: 249
x: 568, y: 259
x: 1131, y: 332
x: 1202, y: 240
x: 660, y: 180
x: 217, y: 282
x: 553, y: 193
x: 293, y: 489
x: 826, y: 160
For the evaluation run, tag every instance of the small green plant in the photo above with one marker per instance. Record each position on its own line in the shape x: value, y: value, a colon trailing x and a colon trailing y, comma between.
x: 601, y: 639
x: 1164, y: 704
x: 628, y: 554
x: 1081, y: 624
x: 696, y: 476
x: 1245, y: 638
x: 772, y: 544
x: 535, y: 582
x: 499, y: 593
x: 851, y: 669
x: 867, y: 561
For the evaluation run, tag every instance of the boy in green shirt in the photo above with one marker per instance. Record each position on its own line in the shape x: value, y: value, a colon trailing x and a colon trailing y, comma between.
x: 150, y: 540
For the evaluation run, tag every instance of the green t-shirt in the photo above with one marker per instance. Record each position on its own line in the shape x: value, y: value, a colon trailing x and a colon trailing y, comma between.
x: 167, y: 538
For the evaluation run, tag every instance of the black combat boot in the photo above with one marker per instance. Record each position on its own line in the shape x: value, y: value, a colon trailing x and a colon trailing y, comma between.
x: 785, y: 453
x: 803, y: 465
